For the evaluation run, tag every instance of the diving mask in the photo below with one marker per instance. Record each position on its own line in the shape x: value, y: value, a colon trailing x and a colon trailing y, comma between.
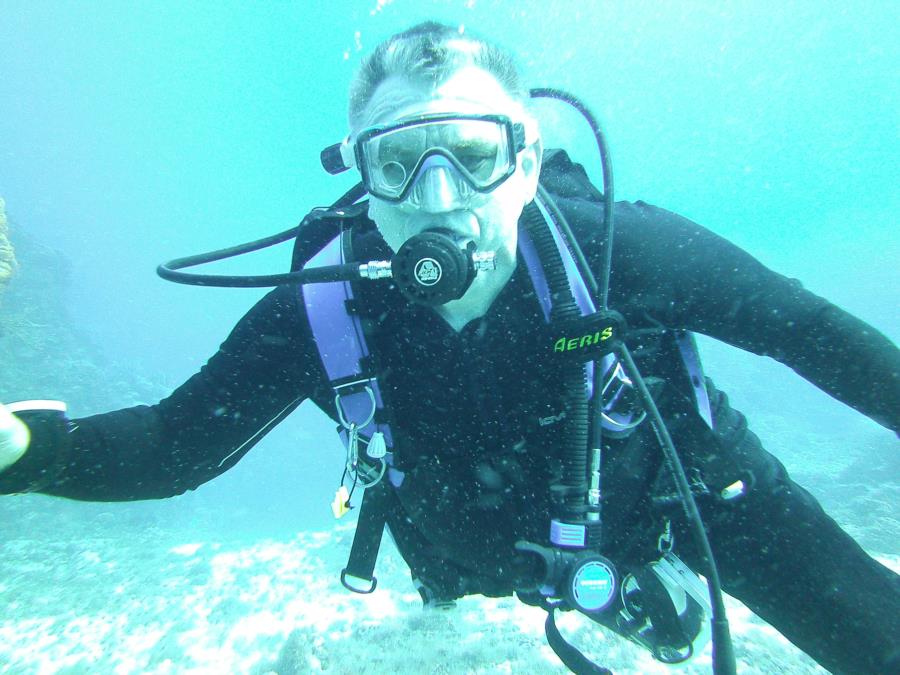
x: 481, y: 149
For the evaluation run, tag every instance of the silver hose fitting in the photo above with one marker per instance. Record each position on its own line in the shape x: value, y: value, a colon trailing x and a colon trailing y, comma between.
x: 375, y: 269
x: 484, y: 261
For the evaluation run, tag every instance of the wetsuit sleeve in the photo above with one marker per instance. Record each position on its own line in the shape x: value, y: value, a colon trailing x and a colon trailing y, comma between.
x: 264, y: 369
x: 687, y: 277
x: 669, y: 272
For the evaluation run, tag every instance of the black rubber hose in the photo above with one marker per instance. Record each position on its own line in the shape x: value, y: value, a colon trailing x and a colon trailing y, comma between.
x: 600, y: 293
x: 596, y: 408
x: 571, y: 242
x: 574, y: 435
x: 608, y: 186
x: 723, y: 649
x: 311, y: 234
x: 169, y: 272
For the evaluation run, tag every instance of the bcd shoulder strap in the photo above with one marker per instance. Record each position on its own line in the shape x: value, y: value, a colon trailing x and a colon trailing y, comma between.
x: 359, y: 402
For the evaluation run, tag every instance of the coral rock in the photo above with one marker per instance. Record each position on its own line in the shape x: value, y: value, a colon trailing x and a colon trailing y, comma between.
x: 7, y: 257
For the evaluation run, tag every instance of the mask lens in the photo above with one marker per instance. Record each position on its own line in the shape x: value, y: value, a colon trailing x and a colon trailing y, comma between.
x: 478, y: 148
x: 391, y: 158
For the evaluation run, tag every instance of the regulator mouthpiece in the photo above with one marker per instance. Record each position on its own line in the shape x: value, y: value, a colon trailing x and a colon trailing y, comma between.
x: 432, y: 268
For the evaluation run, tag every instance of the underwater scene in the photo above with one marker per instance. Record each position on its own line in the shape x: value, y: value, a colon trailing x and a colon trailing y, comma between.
x: 136, y: 133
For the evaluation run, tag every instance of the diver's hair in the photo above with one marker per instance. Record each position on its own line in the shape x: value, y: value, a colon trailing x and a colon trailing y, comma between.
x: 430, y: 53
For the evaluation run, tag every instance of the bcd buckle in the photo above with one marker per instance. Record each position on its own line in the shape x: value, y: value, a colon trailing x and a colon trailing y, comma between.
x: 350, y: 587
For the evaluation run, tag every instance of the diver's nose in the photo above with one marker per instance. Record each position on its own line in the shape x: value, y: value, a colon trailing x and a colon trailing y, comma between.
x: 439, y: 187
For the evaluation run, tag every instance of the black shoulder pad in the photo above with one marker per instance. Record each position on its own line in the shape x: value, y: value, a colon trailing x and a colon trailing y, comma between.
x: 321, y: 225
x: 564, y: 178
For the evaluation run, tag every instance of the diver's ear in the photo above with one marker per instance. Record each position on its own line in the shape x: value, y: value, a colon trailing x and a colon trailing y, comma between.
x: 530, y: 166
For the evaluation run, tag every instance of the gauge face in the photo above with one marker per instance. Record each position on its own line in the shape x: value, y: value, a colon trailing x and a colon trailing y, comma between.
x: 593, y: 585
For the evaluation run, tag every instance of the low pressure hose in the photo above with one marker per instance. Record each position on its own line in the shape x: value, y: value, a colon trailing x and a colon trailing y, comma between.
x: 571, y: 492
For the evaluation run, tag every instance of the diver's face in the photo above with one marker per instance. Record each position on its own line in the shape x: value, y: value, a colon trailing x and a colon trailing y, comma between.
x: 436, y: 199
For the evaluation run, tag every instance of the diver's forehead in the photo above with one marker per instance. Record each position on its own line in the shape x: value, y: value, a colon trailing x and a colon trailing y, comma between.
x: 469, y: 91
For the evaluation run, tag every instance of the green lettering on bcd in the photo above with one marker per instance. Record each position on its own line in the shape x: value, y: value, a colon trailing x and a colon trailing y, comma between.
x: 564, y: 344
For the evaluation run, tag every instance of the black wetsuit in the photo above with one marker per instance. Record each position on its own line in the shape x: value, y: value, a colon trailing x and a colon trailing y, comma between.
x: 467, y: 406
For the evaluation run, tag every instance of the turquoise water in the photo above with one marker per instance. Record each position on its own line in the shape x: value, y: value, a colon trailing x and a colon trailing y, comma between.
x: 133, y: 133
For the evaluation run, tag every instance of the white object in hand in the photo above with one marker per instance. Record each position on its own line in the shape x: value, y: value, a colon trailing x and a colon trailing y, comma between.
x: 14, y: 437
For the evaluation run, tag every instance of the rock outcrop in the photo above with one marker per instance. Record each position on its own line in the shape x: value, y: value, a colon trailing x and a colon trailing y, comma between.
x: 7, y: 256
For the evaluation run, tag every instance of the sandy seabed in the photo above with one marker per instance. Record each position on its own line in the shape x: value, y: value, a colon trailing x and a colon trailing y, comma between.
x: 157, y: 604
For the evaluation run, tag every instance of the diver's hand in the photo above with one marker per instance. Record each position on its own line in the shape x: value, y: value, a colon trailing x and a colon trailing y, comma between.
x: 14, y: 438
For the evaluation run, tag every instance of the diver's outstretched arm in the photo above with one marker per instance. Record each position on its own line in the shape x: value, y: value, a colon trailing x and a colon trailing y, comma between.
x: 265, y: 368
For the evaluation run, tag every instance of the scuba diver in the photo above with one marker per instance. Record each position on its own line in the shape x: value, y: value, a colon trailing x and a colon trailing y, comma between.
x: 488, y: 388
